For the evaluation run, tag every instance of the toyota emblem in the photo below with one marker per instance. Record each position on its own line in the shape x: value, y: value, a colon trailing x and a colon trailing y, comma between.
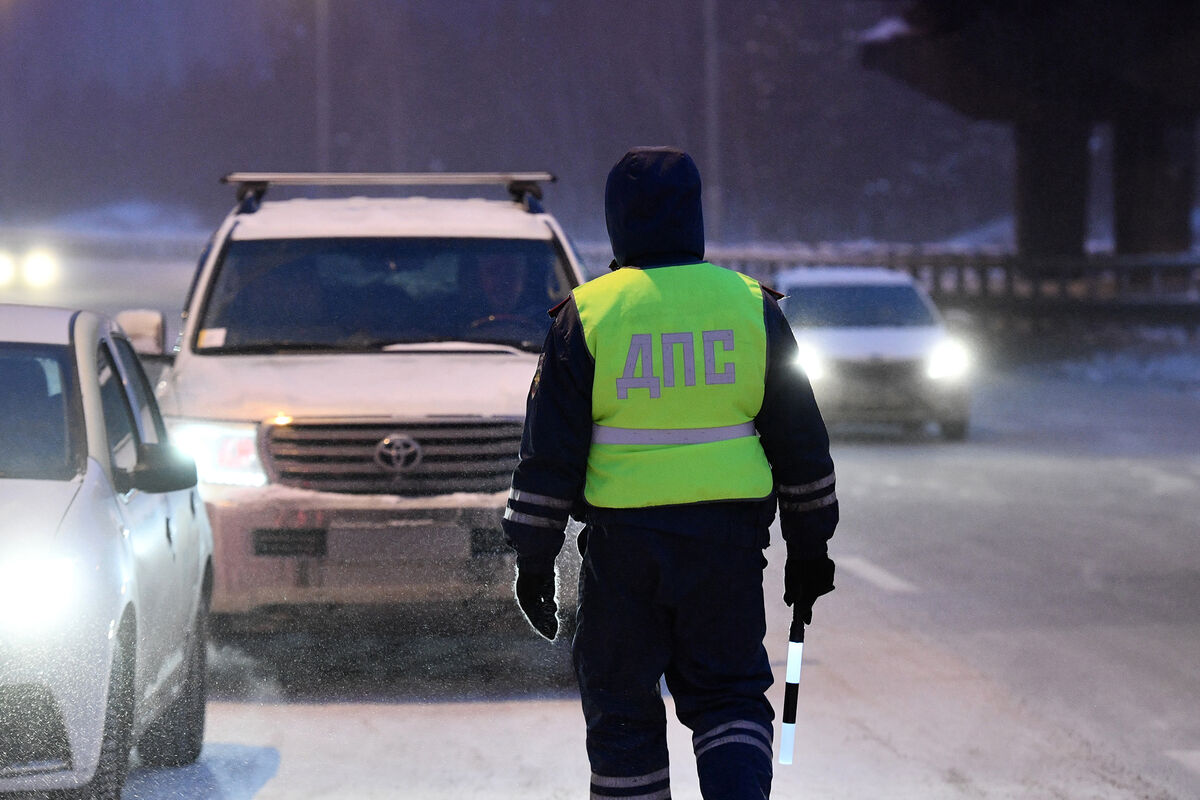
x: 397, y: 452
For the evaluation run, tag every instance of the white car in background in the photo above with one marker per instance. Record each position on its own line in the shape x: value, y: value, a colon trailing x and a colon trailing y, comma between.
x: 105, y: 563
x: 876, y: 349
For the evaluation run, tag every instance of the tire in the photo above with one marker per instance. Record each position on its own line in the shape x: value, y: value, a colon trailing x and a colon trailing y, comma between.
x: 954, y: 430
x: 176, y: 737
x: 113, y: 766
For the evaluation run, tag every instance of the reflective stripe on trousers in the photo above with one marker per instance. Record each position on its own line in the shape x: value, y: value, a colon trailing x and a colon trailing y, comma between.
x: 651, y: 786
x: 736, y: 732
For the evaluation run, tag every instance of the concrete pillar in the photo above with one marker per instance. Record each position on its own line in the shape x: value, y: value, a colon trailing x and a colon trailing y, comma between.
x: 1052, y: 184
x: 1154, y: 181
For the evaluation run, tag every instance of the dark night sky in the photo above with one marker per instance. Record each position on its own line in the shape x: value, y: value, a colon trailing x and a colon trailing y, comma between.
x: 116, y: 100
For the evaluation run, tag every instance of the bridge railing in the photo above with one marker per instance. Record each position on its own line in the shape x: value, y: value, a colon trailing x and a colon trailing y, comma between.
x: 994, y: 279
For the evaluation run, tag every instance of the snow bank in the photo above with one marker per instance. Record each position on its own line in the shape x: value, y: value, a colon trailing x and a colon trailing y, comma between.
x: 1166, y: 358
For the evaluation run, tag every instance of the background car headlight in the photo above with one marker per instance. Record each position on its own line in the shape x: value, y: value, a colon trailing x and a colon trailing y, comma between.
x: 810, y: 360
x: 40, y: 268
x: 36, y: 591
x: 948, y: 360
x: 225, y: 452
x: 8, y: 269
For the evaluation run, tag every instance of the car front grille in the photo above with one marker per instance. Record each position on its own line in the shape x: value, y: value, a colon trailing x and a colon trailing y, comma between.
x: 860, y: 385
x: 880, y: 373
x: 475, y: 455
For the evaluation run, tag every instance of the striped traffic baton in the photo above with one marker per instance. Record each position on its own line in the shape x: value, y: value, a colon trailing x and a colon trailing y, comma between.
x: 787, y: 739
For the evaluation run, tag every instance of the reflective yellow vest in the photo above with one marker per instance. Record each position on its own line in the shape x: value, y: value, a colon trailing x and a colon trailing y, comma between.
x: 680, y: 357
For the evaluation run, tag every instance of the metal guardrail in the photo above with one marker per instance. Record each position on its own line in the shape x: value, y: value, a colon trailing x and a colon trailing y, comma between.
x: 1162, y: 287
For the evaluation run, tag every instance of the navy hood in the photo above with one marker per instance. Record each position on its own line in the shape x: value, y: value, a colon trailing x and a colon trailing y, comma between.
x: 652, y: 208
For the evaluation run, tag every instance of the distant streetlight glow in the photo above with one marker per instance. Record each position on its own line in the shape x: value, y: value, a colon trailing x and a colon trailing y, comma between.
x: 8, y: 269
x: 40, y: 268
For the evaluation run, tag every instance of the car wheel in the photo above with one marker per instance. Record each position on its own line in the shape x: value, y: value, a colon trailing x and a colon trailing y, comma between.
x: 116, y: 743
x: 175, y: 738
x: 954, y: 430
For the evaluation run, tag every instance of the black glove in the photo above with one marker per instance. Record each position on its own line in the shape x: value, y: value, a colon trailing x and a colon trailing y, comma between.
x: 805, y: 578
x: 535, y: 595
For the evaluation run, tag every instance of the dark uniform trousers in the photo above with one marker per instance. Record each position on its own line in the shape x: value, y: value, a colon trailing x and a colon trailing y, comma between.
x: 656, y: 604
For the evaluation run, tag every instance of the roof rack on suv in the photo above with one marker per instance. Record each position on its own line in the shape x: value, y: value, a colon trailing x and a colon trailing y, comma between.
x: 525, y: 187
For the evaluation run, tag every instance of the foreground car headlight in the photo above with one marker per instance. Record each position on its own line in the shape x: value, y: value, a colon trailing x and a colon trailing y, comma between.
x: 949, y: 360
x: 810, y: 360
x: 36, y: 591
x: 225, y: 452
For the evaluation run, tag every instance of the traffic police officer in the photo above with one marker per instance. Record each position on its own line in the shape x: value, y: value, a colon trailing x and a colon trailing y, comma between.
x: 668, y: 414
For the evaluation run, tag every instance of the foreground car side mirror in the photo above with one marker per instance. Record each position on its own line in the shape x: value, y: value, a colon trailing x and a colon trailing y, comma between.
x: 160, y: 468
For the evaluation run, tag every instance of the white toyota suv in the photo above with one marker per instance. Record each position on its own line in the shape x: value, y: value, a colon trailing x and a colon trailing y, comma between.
x: 351, y: 377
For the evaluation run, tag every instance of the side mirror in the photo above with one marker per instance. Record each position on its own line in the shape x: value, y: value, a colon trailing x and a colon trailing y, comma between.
x: 147, y: 330
x: 161, y: 468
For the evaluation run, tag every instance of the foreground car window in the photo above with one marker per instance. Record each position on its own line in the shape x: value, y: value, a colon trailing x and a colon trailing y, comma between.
x: 856, y: 307
x: 40, y: 433
x: 350, y: 293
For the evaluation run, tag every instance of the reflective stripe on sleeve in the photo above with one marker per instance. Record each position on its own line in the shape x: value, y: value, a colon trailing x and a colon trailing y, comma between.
x: 533, y: 499
x: 806, y: 488
x: 820, y: 502
x: 604, y: 434
x: 534, y: 520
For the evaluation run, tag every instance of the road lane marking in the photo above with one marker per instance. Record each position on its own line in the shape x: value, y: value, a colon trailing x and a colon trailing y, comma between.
x: 1189, y: 758
x: 876, y: 575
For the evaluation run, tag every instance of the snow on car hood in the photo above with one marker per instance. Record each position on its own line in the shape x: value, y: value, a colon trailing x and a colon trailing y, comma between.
x: 32, y: 509
x: 491, y: 382
x: 869, y: 344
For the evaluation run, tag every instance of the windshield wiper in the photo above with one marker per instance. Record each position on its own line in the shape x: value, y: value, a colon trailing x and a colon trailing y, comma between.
x: 451, y: 344
x: 272, y: 347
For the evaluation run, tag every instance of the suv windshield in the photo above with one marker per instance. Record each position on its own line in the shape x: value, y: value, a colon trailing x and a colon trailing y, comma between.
x: 273, y: 295
x: 856, y: 306
x: 39, y: 432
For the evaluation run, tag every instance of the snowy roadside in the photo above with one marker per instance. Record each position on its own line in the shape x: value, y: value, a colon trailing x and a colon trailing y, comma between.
x: 1159, y: 358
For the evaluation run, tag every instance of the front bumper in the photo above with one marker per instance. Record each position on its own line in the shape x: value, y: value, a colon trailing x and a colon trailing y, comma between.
x: 278, y: 546
x: 52, y: 703
x: 889, y: 393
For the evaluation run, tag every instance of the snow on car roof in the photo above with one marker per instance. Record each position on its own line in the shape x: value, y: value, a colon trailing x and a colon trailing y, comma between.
x: 35, y: 324
x: 390, y: 216
x: 839, y: 275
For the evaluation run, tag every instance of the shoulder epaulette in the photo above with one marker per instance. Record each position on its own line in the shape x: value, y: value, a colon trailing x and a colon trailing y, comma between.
x: 553, y: 312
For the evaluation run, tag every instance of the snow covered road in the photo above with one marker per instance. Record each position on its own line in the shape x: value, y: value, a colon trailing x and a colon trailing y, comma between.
x: 1016, y: 617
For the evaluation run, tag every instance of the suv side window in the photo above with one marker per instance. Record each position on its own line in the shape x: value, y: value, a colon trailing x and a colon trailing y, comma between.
x: 152, y: 429
x: 118, y: 420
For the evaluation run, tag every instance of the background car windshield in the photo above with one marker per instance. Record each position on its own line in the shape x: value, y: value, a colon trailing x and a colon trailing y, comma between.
x: 39, y: 435
x: 278, y: 294
x: 851, y: 306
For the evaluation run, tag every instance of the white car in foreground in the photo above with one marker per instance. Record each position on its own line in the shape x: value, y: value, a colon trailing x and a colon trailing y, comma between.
x: 105, y: 563
x: 876, y: 349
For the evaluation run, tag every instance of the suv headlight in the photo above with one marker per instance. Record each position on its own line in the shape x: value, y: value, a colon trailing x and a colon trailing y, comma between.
x: 948, y: 360
x: 225, y: 452
x: 36, y: 591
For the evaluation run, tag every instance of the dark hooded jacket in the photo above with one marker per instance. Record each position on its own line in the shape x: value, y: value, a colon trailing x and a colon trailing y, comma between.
x: 652, y: 208
x: 654, y: 218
